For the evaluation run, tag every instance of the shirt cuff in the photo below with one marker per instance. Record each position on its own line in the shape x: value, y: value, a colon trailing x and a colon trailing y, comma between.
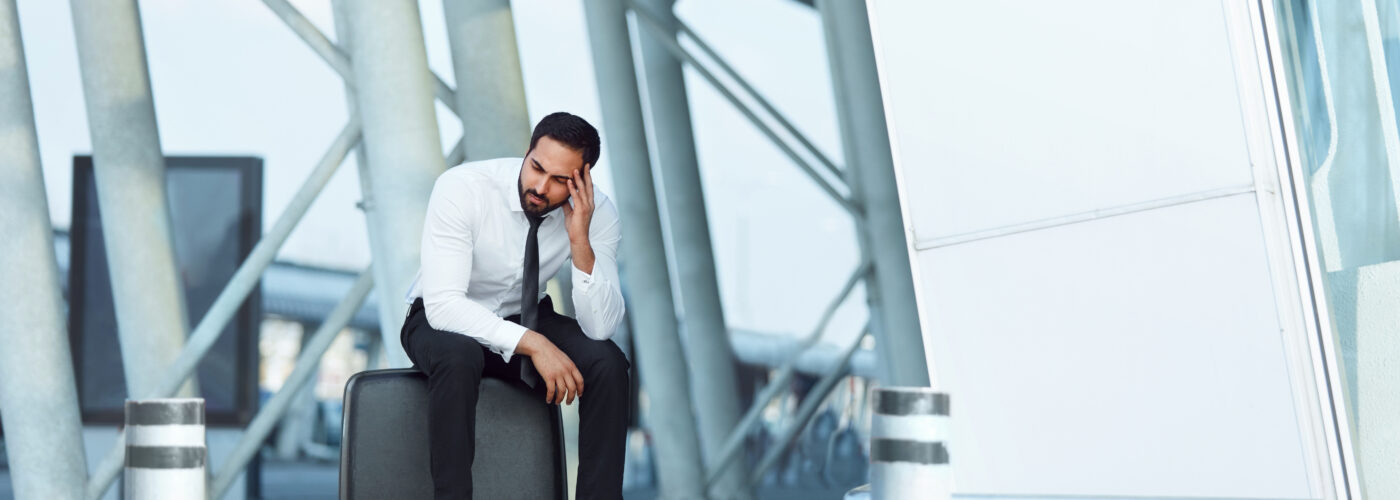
x: 582, y: 280
x: 508, y: 335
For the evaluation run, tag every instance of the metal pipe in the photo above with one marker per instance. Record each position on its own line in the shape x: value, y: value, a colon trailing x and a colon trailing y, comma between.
x: 307, y: 362
x: 38, y: 396
x: 732, y: 444
x: 769, y: 351
x: 335, y: 56
x: 714, y: 383
x: 806, y: 410
x: 871, y: 177
x: 651, y: 23
x: 131, y: 190
x: 491, y: 89
x: 394, y: 98
x: 236, y: 292
x: 757, y: 97
x: 658, y: 357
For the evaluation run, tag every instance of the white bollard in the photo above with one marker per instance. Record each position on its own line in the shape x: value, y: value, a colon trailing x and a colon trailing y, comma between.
x: 165, y: 449
x: 908, y: 450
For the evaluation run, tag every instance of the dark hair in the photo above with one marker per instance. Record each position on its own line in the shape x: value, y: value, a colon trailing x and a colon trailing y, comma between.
x: 572, y: 131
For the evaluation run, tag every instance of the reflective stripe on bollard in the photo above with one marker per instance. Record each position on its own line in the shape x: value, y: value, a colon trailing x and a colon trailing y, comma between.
x: 908, y: 450
x: 165, y: 449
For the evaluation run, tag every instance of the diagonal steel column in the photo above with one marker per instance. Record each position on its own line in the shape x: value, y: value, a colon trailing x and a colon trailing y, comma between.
x: 490, y: 88
x: 805, y: 411
x: 38, y: 396
x: 237, y: 290
x: 394, y: 98
x: 130, y: 171
x: 659, y: 357
x: 307, y: 364
x: 336, y: 56
x: 341, y: 16
x: 714, y: 385
x: 676, y: 26
x: 870, y: 174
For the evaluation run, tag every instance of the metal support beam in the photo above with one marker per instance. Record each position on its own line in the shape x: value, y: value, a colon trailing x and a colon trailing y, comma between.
x: 342, y: 35
x: 394, y: 98
x: 130, y: 171
x: 714, y: 386
x: 233, y: 295
x: 729, y: 451
x: 871, y: 176
x: 491, y: 92
x: 307, y: 362
x: 806, y: 410
x: 336, y: 56
x: 457, y: 154
x: 659, y: 357
x: 296, y: 424
x: 226, y: 305
x: 38, y: 396
x: 753, y: 93
x: 490, y: 87
x: 650, y: 23
x: 313, y: 37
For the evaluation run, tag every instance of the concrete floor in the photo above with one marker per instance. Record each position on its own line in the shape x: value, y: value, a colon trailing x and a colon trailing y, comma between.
x: 318, y: 481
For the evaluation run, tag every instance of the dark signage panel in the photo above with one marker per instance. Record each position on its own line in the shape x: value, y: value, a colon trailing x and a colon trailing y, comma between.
x: 216, y: 212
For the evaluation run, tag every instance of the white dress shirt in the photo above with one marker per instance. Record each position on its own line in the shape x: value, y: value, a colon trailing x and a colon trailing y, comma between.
x: 474, y: 249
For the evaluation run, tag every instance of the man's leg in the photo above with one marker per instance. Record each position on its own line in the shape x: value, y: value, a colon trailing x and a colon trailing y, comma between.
x: 602, y: 408
x: 454, y: 365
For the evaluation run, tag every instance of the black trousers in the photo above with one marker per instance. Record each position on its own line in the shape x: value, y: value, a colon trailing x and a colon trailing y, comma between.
x: 455, y: 363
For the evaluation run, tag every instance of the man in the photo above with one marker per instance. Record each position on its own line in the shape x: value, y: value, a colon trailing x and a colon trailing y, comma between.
x: 477, y: 311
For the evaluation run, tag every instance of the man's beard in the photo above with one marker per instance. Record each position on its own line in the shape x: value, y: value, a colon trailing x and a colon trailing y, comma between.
x: 525, y: 204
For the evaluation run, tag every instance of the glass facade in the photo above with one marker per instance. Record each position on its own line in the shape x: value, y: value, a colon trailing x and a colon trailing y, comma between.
x: 1342, y: 72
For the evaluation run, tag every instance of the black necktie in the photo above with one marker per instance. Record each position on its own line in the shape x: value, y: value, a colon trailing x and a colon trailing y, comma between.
x: 529, y: 296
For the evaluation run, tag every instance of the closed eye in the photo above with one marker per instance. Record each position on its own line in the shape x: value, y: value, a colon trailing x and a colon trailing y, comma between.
x: 538, y: 168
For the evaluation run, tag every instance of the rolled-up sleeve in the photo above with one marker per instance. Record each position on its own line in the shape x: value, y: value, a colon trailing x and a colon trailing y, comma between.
x: 598, y: 296
x: 449, y: 230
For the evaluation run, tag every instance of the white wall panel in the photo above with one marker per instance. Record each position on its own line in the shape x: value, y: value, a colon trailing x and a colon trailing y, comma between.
x: 1137, y: 355
x: 1012, y: 111
x: 1117, y: 354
